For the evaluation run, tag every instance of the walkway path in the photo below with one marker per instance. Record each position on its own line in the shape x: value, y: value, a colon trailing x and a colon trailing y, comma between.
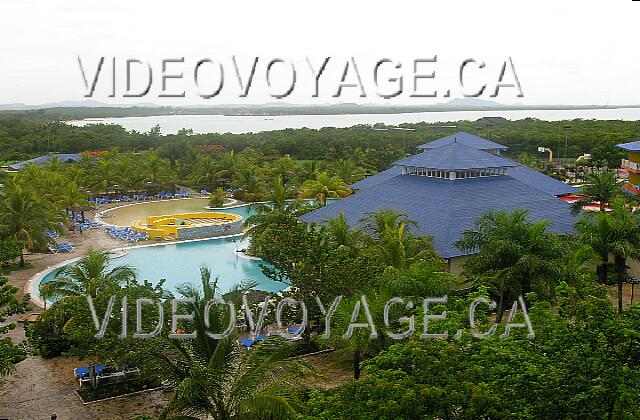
x: 42, y: 387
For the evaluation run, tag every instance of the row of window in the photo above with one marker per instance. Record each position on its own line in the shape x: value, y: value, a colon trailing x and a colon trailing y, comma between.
x: 459, y: 174
x: 477, y: 173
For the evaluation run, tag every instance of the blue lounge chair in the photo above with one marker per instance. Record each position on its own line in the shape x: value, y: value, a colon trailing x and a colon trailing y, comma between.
x: 65, y: 247
x: 247, y: 342
x: 139, y: 237
x: 83, y: 372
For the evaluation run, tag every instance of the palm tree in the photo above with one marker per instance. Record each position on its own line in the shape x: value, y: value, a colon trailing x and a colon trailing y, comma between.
x: 309, y: 169
x: 274, y: 210
x: 601, y: 188
x: 248, y: 180
x: 339, y: 231
x: 204, y: 173
x: 105, y: 174
x: 618, y: 233
x: 514, y: 254
x: 133, y: 175
x: 27, y: 217
x: 361, y: 158
x: 348, y: 170
x: 214, y: 378
x: 89, y: 276
x: 377, y: 223
x: 228, y: 165
x: 283, y: 167
x: 323, y: 187
x: 47, y: 293
x: 71, y: 197
x: 398, y: 249
x: 595, y: 230
x: 625, y: 243
x: 157, y: 170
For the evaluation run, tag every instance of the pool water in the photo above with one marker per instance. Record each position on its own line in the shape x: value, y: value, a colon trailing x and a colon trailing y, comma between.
x: 179, y: 263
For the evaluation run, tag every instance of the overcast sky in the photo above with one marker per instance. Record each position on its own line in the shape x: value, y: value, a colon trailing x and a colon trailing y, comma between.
x: 564, y: 52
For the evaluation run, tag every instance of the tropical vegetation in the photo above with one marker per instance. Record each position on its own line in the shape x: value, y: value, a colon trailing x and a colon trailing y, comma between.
x: 582, y: 361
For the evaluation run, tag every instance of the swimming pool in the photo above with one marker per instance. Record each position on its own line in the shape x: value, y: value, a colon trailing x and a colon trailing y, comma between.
x: 179, y: 263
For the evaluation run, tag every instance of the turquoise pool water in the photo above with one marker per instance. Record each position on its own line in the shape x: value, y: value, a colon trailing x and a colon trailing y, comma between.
x: 180, y: 263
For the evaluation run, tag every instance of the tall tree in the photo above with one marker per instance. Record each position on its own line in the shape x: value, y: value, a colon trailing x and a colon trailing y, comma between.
x: 625, y: 242
x: 10, y: 304
x: 89, y: 276
x: 601, y: 188
x: 513, y: 254
x: 616, y: 233
x: 274, y: 210
x: 324, y: 187
x: 216, y: 379
x: 596, y: 230
x: 26, y: 217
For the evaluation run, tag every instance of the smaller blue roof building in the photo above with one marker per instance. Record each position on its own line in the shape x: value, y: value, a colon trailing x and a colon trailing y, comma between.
x: 46, y: 159
x: 633, y: 146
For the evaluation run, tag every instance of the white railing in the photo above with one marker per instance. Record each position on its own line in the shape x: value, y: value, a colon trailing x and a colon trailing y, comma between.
x: 631, y: 165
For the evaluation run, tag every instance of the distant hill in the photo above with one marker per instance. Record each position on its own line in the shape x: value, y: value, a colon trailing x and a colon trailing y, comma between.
x: 470, y: 102
x: 72, y: 104
x: 80, y: 109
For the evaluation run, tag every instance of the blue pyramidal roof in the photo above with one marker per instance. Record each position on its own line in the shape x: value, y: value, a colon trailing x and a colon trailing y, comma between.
x: 444, y: 209
x: 634, y: 146
x: 465, y: 138
x: 455, y: 156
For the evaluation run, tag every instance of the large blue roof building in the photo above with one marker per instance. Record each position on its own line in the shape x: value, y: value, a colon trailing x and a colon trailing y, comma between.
x: 448, y: 186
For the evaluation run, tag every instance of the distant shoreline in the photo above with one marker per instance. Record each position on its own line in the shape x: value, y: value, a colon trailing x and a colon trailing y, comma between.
x: 95, y: 113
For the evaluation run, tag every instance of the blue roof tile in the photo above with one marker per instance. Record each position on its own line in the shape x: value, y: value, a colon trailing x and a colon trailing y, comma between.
x: 455, y: 156
x: 43, y: 160
x: 633, y: 146
x: 443, y: 208
x: 541, y: 181
x: 377, y: 178
x: 465, y: 138
x: 521, y: 173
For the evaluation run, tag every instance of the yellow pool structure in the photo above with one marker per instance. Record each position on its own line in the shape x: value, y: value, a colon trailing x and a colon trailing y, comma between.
x: 189, y: 225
